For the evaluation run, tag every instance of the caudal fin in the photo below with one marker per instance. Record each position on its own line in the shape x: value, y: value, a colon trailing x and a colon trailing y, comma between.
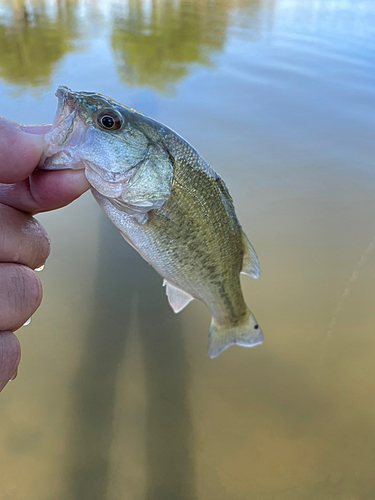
x: 247, y: 334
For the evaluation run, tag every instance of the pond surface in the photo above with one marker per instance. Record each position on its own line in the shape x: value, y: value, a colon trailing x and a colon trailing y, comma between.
x: 116, y: 397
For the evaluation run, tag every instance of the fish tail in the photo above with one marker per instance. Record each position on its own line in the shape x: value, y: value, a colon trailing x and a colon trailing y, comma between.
x: 247, y: 334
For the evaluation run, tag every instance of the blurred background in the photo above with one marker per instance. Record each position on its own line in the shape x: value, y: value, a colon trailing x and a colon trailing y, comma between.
x: 116, y: 397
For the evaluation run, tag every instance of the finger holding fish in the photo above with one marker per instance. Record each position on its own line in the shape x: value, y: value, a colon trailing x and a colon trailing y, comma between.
x: 24, y: 245
x: 21, y: 186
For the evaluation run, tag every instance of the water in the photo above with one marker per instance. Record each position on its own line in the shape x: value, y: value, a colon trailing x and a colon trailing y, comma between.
x: 116, y: 397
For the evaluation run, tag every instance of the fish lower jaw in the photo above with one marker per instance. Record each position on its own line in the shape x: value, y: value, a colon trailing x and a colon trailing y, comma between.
x: 102, y: 186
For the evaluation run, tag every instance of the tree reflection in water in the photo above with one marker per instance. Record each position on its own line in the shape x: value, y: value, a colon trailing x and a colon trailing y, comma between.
x: 33, y: 37
x: 156, y: 47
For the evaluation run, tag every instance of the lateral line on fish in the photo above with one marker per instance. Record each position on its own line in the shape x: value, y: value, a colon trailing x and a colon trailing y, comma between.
x: 193, y: 194
x: 155, y: 214
x: 219, y: 186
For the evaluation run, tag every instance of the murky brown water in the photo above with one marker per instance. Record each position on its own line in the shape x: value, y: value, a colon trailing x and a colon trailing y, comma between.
x: 116, y: 397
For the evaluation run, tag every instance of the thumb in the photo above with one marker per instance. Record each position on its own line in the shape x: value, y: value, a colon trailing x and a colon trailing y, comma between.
x: 20, y: 151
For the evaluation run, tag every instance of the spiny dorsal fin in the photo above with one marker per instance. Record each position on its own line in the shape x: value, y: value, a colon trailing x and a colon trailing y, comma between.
x: 177, y: 298
x: 250, y: 263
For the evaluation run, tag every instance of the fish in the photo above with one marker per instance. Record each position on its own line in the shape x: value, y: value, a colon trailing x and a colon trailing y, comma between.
x: 168, y: 203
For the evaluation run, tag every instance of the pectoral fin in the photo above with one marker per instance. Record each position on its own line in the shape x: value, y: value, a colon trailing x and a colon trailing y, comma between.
x: 250, y: 263
x: 177, y: 298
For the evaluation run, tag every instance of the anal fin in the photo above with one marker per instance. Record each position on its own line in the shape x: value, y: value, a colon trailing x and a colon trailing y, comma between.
x: 177, y: 298
x: 250, y: 263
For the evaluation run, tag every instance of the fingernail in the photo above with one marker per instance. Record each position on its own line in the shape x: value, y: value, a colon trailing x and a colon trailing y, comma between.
x: 38, y: 269
x: 37, y: 129
x: 27, y: 322
x: 35, y: 134
x: 14, y: 375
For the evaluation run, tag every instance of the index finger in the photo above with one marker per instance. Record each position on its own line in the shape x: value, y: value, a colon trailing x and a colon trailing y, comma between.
x: 20, y: 151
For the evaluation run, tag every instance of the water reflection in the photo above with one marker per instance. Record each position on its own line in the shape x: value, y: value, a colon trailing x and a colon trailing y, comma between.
x: 128, y: 291
x: 157, y: 43
x: 156, y: 46
x: 33, y: 37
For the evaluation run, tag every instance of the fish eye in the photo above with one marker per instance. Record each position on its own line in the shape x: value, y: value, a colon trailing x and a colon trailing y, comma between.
x: 108, y: 120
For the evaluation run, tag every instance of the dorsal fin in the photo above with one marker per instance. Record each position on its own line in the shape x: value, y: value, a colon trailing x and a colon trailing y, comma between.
x: 250, y: 263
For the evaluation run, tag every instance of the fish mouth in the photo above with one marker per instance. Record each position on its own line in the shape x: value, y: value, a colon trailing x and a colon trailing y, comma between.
x: 65, y: 141
x: 67, y: 111
x: 66, y: 135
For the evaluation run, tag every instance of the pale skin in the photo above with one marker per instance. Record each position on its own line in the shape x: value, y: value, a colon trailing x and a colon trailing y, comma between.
x: 24, y: 244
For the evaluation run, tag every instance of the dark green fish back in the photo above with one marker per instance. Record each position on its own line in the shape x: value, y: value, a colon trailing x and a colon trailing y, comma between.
x: 201, y: 216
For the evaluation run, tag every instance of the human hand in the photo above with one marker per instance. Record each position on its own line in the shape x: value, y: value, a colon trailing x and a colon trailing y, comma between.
x: 24, y: 244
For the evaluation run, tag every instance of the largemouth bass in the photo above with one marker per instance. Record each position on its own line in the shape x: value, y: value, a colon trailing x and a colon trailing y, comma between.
x: 167, y: 202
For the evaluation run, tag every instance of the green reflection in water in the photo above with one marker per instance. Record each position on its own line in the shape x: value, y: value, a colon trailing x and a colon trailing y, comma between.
x: 157, y: 47
x: 33, y: 39
x: 154, y: 45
